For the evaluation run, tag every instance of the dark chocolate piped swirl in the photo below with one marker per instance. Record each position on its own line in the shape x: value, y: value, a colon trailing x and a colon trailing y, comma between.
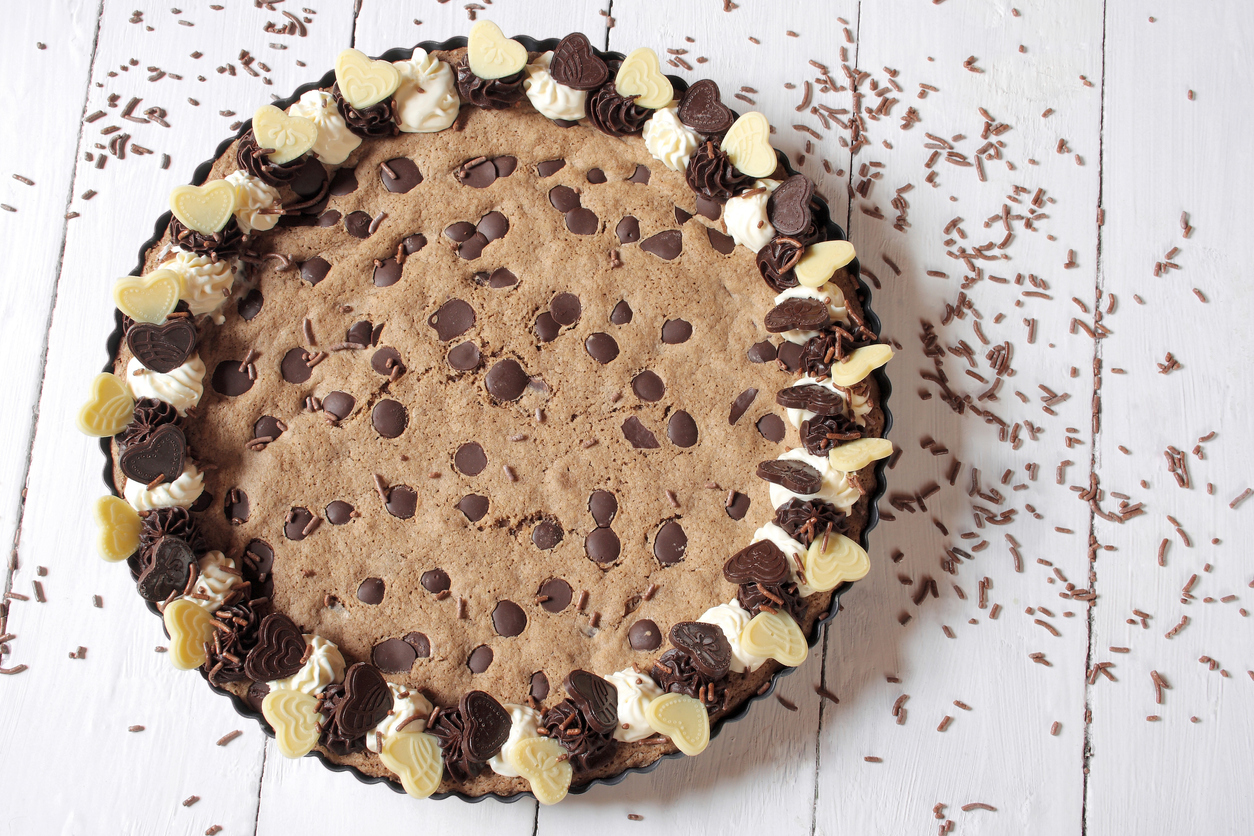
x: 250, y: 156
x: 374, y: 121
x: 489, y: 93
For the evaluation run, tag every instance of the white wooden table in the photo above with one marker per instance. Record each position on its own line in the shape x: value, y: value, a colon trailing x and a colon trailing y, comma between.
x: 1147, y: 107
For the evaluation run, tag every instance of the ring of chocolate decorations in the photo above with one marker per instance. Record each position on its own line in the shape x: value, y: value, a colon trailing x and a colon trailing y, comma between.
x: 218, y: 611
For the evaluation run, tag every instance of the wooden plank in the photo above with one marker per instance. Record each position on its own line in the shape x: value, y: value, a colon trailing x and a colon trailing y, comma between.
x: 1166, y: 154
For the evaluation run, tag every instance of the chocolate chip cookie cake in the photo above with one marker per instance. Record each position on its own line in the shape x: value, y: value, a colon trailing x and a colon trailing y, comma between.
x: 493, y: 420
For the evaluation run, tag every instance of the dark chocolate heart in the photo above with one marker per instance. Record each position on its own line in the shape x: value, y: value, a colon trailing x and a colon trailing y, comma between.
x: 788, y: 207
x: 596, y: 699
x: 760, y: 562
x: 706, y: 645
x: 798, y: 314
x: 160, y: 456
x: 575, y: 65
x: 793, y: 475
x: 169, y: 570
x: 817, y: 399
x: 367, y: 700
x: 486, y: 726
x: 702, y: 109
x: 279, y: 651
x: 162, y: 348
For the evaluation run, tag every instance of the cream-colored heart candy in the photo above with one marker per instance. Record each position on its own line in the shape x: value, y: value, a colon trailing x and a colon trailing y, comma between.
x: 294, y: 717
x: 364, y: 82
x: 416, y: 760
x: 822, y: 260
x: 748, y: 145
x: 855, y: 455
x: 776, y: 636
x: 189, y: 627
x: 150, y: 298
x: 833, y: 559
x: 854, y: 369
x: 289, y: 136
x: 109, y: 407
x: 119, y: 528
x: 205, y: 209
x: 683, y: 719
x: 491, y: 54
x: 545, y: 764
x: 641, y: 75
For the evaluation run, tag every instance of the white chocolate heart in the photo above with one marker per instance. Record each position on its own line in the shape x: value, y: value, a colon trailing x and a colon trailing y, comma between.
x: 860, y: 363
x: 776, y: 636
x: 842, y: 560
x: 545, y: 764
x: 149, y: 298
x: 289, y: 136
x: 748, y: 145
x: 681, y: 718
x: 207, y: 208
x: 491, y: 54
x: 109, y: 407
x: 641, y: 75
x: 119, y: 528
x: 189, y: 626
x: 364, y: 82
x: 416, y: 760
x: 822, y: 260
x: 855, y: 455
x: 294, y: 717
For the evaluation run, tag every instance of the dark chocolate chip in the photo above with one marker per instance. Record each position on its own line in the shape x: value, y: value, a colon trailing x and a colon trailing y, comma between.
x: 702, y: 109
x: 235, y: 507
x: 596, y: 699
x: 256, y: 695
x: 638, y: 435
x: 505, y: 166
x: 666, y: 245
x: 371, y: 591
x: 763, y: 352
x: 621, y: 315
x: 385, y: 359
x: 502, y: 277
x: 328, y: 218
x: 546, y: 535
x: 360, y: 333
x: 454, y: 318
x: 539, y: 686
x: 261, y: 554
x: 640, y: 175
x: 681, y: 429
x: 161, y: 455
x: 344, y: 182
x: 402, y: 501
x: 576, y: 65
x: 791, y: 474
x: 583, y: 221
x: 743, y: 401
x: 676, y: 331
x: 309, y: 178
x: 508, y: 619
x: 601, y: 347
x: 790, y: 355
x: 549, y: 167
x: 407, y: 175
x: 389, y: 418
x: 230, y: 380
x: 563, y: 198
x: 493, y: 225
x: 602, y: 545
x: 339, y: 512
x: 682, y: 217
x: 169, y: 569
x: 628, y: 230
x: 339, y: 405
x: 464, y: 356
x: 297, y: 520
x: 470, y: 460
x: 267, y: 426
x: 387, y: 273
x: 478, y: 176
x: 480, y: 659
x: 420, y: 643
x: 706, y: 645
x: 760, y: 562
x: 162, y: 348
x: 358, y: 224
x: 722, y: 244
x: 565, y: 308
x: 293, y: 367
x: 546, y: 327
x: 798, y: 314
x: 414, y: 243
x: 250, y: 304
x: 279, y: 651
x: 394, y: 656
x: 460, y: 231
x: 473, y: 506
x: 670, y: 543
x: 472, y: 247
x: 709, y: 208
x: 558, y: 594
x: 738, y: 507
x: 603, y: 505
x: 788, y: 207
x: 771, y: 427
x: 596, y: 176
x: 811, y: 397
x: 648, y: 386
x: 506, y: 380
x: 644, y: 635
x: 435, y: 580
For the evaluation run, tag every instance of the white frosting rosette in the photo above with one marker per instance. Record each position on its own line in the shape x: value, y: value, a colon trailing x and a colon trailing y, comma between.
x: 409, y: 709
x: 731, y: 618
x: 670, y: 140
x: 214, y: 581
x: 183, y: 491
x: 206, y: 283
x: 255, y: 202
x: 426, y: 100
x: 835, y: 488
x: 524, y: 723
x: 556, y: 101
x: 635, y: 692
x: 335, y: 141
x: 324, y: 666
x: 746, y: 218
x: 181, y: 388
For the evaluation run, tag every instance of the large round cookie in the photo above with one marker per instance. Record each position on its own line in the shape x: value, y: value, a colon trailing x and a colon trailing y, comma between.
x: 487, y: 412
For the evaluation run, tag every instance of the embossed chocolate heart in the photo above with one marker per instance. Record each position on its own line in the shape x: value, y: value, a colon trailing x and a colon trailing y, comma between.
x: 545, y: 764
x: 774, y: 636
x: 189, y: 626
x: 748, y: 145
x: 290, y: 136
x: 161, y: 455
x: 162, y: 348
x: 702, y: 109
x: 279, y: 650
x: 681, y: 718
x: 207, y: 208
x: 796, y: 476
x: 596, y: 699
x: 706, y: 645
x: 169, y: 570
x: 812, y: 397
x: 109, y: 408
x: 415, y: 758
x: 640, y: 75
x: 148, y: 298
x: 367, y: 700
x: 363, y: 82
x: 119, y: 528
x: 760, y: 562
x: 491, y: 54
x: 486, y: 725
x: 575, y: 65
x: 788, y: 207
x: 294, y: 717
x: 798, y: 314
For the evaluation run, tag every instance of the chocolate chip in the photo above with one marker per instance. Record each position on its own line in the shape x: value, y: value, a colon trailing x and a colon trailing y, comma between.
x: 420, y: 643
x: 267, y: 427
x: 565, y: 308
x: 453, y: 319
x: 811, y: 397
x: 297, y: 520
x: 309, y: 178
x: 414, y: 243
x: 602, y: 347
x: 539, y: 686
x: 596, y: 176
x: 576, y: 65
x: 339, y: 512
x: 558, y: 593
x: 638, y: 435
x: 387, y: 273
x: 596, y: 699
x: 743, y: 401
x: 473, y: 506
x: 670, y: 543
x: 681, y: 429
x: 706, y: 645
x: 385, y: 359
x: 798, y: 314
x: 666, y: 245
x: 160, y: 455
x: 790, y: 355
x: 162, y: 348
x: 360, y: 333
x: 738, y: 507
x: 493, y: 225
x: 505, y: 165
x: 389, y: 418
x: 640, y: 175
x: 250, y: 304
x: 344, y: 182
x: 464, y: 356
x: 470, y: 460
x: 460, y: 231
x: 358, y: 224
x: 480, y: 659
x: 402, y: 501
x: 702, y: 109
x: 235, y: 507
x: 583, y: 221
x: 230, y: 380
x: 628, y: 230
x: 603, y: 505
x: 761, y: 562
x: 293, y: 367
x: 328, y: 218
x: 722, y: 244
x: 393, y: 656
x: 546, y: 535
x: 508, y: 619
x: 563, y: 198
x: 550, y: 167
x: 788, y: 207
x: 791, y: 474
x: 371, y: 591
x: 621, y: 315
x: 262, y: 554
x: 435, y: 581
x: 648, y: 386
x: 478, y: 176
x: 771, y: 427
x: 682, y: 217
x: 644, y: 635
x: 472, y: 247
x: 506, y: 380
x: 546, y: 327
x: 602, y: 545
x: 763, y: 352
x: 407, y: 175
x: 708, y: 208
x: 338, y: 405
x: 676, y: 331
x: 502, y: 277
